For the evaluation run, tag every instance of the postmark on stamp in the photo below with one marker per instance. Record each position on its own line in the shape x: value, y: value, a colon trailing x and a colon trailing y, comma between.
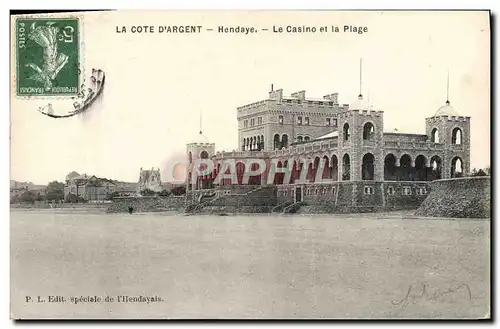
x: 47, y: 56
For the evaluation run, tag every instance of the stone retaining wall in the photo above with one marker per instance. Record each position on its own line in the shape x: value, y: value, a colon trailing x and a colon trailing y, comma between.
x: 468, y: 197
x: 353, y: 196
x: 47, y: 205
x: 147, y: 204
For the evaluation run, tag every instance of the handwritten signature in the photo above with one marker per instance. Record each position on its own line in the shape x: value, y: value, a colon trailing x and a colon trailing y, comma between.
x: 416, y: 293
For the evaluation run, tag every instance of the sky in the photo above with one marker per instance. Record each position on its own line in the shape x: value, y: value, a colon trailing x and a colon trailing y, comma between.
x: 158, y: 84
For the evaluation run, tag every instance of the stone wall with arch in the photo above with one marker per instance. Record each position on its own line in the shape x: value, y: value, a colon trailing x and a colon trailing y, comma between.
x: 406, y: 165
x: 454, y: 137
x: 361, y: 133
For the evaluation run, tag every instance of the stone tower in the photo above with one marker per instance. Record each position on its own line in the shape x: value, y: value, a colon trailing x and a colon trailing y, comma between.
x: 200, y: 149
x: 361, y: 143
x: 149, y: 180
x: 450, y: 132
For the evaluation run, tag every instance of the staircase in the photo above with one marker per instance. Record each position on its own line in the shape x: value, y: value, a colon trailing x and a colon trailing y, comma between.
x: 196, y: 207
x: 254, y: 190
x: 200, y: 206
x: 281, y: 206
x: 291, y: 209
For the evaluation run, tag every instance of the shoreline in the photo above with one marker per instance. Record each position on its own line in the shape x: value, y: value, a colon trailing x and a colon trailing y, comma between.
x: 398, y: 214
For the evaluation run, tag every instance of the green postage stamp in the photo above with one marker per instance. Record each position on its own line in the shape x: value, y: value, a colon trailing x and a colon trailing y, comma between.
x: 47, y: 56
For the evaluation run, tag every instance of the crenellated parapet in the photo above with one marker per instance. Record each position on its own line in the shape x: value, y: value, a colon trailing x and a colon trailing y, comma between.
x: 448, y: 118
x: 366, y: 113
x: 201, y: 144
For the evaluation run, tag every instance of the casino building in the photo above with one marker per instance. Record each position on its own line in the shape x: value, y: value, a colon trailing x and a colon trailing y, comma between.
x: 363, y: 164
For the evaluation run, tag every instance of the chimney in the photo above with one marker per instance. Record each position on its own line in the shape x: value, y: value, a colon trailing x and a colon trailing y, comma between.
x: 276, y: 94
x: 299, y: 95
x: 332, y: 97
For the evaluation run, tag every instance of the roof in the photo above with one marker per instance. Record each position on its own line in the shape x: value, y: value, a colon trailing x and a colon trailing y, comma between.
x: 200, y: 139
x: 404, y: 133
x: 329, y: 135
x: 446, y: 110
x: 124, y: 186
x: 84, y: 176
x: 360, y: 104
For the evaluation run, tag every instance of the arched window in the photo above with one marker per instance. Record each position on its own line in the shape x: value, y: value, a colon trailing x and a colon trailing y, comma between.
x: 204, y: 155
x: 435, y: 135
x: 346, y: 167
x: 284, y: 141
x: 456, y: 136
x: 435, y: 168
x: 420, y: 169
x: 347, y: 132
x: 334, y: 168
x: 368, y: 131
x: 405, y: 168
x: 280, y: 119
x: 307, y: 139
x: 390, y: 168
x: 276, y: 141
x: 299, y: 139
x: 456, y: 167
x: 367, y: 167
x: 313, y: 167
x: 278, y: 176
x: 326, y: 172
x: 190, y: 157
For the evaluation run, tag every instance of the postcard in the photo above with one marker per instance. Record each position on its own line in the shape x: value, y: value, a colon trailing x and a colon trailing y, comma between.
x: 250, y: 165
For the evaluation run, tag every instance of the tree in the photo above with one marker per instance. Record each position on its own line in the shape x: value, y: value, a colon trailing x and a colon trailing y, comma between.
x: 55, y: 191
x: 479, y: 172
x: 15, y: 199
x: 39, y: 197
x: 28, y: 197
x: 72, y: 198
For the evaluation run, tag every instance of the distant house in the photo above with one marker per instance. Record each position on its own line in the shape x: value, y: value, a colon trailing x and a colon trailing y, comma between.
x: 17, y: 191
x: 88, y: 188
x: 126, y: 189
x: 19, y: 188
